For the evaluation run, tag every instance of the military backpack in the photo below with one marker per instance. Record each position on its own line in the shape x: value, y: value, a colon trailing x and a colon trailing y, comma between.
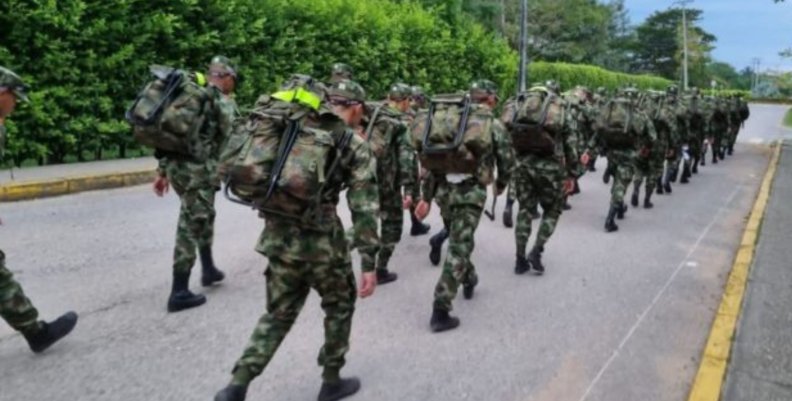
x: 170, y: 112
x: 453, y: 135
x: 536, y: 122
x: 615, y: 123
x: 382, y: 130
x: 280, y: 158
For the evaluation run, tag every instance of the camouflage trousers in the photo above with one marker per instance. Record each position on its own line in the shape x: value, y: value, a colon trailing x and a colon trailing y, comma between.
x: 622, y: 165
x: 15, y: 307
x: 463, y: 211
x: 288, y: 285
x: 538, y: 182
x: 195, y: 229
x: 648, y: 171
x: 391, y: 226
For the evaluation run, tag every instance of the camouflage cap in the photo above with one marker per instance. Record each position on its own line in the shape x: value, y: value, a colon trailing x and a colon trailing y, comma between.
x: 224, y: 63
x: 484, y: 85
x: 672, y: 89
x: 400, y: 91
x: 347, y: 89
x: 342, y: 70
x: 553, y: 86
x: 11, y: 81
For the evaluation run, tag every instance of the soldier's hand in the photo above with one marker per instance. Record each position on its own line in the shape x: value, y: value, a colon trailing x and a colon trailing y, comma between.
x: 585, y: 158
x: 407, y: 202
x: 161, y: 186
x: 569, y: 186
x: 368, y: 282
x: 422, y: 210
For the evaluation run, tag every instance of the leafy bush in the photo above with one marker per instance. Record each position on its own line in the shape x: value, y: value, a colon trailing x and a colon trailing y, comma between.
x: 86, y: 59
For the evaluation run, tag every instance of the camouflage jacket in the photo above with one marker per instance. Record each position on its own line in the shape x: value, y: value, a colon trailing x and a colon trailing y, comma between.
x: 287, y: 241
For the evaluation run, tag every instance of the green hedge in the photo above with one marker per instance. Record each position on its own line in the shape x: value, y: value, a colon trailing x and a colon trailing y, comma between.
x: 86, y: 59
x: 569, y: 75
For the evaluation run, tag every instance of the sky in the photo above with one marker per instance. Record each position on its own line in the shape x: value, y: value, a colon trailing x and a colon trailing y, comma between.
x: 745, y: 28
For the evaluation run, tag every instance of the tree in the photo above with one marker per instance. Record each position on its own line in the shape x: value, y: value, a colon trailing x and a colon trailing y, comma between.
x: 657, y: 46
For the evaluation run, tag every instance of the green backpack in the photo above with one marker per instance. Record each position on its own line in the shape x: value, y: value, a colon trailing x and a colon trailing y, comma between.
x: 279, y: 159
x: 615, y: 123
x: 170, y: 111
x: 537, y: 120
x: 453, y: 135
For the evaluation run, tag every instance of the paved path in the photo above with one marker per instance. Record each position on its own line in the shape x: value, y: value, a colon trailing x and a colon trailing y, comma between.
x: 76, y: 169
x: 761, y: 365
x: 617, y: 317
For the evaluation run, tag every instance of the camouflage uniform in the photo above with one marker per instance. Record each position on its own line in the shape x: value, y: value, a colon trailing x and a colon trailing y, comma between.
x: 15, y: 308
x: 719, y: 128
x: 622, y: 161
x: 650, y: 169
x: 465, y: 202
x: 302, y: 258
x: 539, y: 180
x: 696, y: 125
x: 395, y: 160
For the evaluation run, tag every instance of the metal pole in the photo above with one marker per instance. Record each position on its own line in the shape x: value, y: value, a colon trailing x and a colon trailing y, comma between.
x: 523, y: 39
x: 683, y: 4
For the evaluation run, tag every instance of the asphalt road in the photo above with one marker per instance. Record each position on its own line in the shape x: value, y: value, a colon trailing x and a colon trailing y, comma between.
x: 617, y: 316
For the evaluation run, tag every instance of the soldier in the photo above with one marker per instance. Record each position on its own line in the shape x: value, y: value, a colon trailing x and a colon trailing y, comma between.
x: 224, y: 75
x: 743, y: 112
x: 719, y: 128
x: 196, y: 182
x: 632, y: 139
x: 466, y: 195
x: 650, y: 170
x: 677, y: 137
x: 417, y: 99
x: 399, y: 99
x: 301, y: 258
x: 696, y: 126
x: 15, y: 307
x: 545, y: 173
x: 389, y: 140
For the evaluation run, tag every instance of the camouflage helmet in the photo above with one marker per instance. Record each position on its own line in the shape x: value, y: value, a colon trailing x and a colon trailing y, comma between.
x: 417, y: 91
x: 225, y: 64
x: 602, y: 91
x: 9, y: 80
x: 348, y: 90
x: 672, y: 90
x: 483, y: 86
x: 553, y: 86
x: 400, y: 91
x: 341, y: 71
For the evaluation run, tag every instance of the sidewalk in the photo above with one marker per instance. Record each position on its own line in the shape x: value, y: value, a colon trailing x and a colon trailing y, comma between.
x: 63, y: 179
x: 760, y: 368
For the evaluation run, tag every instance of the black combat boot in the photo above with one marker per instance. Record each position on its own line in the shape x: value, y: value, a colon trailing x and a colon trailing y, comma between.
x: 210, y: 273
x: 50, y: 333
x: 694, y: 169
x: 635, y: 195
x: 508, y: 211
x: 722, y: 154
x: 730, y: 151
x: 592, y: 165
x: 685, y: 174
x: 576, y: 190
x: 703, y: 159
x: 621, y: 211
x: 181, y: 297
x: 469, y: 287
x: 715, y: 155
x: 673, y: 174
x: 660, y: 189
x: 338, y: 390
x: 610, y: 224
x: 648, y: 201
x: 442, y: 321
x: 385, y: 277
x: 521, y: 266
x: 231, y: 393
x: 535, y: 259
x: 566, y: 206
x: 418, y: 227
x: 436, y: 243
x: 606, y: 175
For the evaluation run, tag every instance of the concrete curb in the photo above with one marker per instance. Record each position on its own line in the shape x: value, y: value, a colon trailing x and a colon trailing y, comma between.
x: 71, y: 185
x: 708, y: 383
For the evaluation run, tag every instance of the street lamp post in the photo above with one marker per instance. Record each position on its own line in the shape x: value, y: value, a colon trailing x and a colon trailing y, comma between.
x: 683, y: 4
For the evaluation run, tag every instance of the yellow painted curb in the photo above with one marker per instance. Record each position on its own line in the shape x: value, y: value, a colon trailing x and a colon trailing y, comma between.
x: 64, y: 186
x: 708, y: 383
